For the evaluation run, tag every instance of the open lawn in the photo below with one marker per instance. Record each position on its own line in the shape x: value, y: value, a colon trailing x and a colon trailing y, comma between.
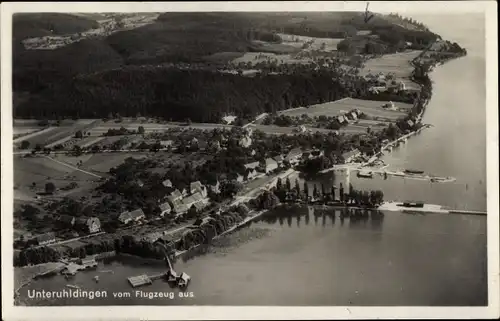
x: 337, y: 108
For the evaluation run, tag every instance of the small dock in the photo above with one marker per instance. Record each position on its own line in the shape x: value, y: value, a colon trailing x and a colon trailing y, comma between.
x: 140, y: 280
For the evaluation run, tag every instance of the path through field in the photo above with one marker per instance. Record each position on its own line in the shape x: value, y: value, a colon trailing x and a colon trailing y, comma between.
x: 73, y: 167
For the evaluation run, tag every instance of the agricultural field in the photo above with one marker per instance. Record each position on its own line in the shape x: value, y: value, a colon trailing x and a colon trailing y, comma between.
x: 152, y: 127
x: 32, y: 173
x: 336, y: 108
x: 101, y: 163
x: 397, y: 64
x: 330, y: 44
x: 52, y: 136
x: 255, y: 58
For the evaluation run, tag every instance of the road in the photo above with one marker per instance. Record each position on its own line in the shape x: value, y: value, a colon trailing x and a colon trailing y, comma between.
x: 73, y: 167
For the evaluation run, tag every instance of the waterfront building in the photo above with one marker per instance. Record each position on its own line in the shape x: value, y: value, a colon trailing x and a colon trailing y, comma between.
x: 351, y: 155
x: 197, y: 187
x: 167, y: 143
x: 46, y: 238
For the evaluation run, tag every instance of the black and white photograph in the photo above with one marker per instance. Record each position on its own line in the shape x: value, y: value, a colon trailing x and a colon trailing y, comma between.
x: 250, y: 155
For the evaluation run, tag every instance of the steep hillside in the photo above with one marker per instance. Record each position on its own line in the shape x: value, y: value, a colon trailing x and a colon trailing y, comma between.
x: 28, y: 25
x: 35, y: 70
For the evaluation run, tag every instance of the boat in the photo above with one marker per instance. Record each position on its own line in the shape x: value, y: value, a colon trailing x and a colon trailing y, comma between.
x: 72, y: 286
x: 96, y: 278
x: 413, y: 171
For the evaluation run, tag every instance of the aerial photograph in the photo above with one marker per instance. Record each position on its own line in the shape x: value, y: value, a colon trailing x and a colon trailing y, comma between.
x: 333, y: 158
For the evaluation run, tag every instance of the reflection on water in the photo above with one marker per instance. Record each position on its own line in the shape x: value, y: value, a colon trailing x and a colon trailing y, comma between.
x: 350, y: 257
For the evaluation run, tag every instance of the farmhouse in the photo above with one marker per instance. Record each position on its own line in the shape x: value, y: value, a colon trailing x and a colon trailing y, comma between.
x: 197, y: 187
x: 271, y: 165
x: 46, y: 238
x: 349, y: 156
x: 90, y: 224
x: 164, y: 209
x: 189, y: 201
x: 410, y: 123
x: 342, y: 119
x: 151, y: 237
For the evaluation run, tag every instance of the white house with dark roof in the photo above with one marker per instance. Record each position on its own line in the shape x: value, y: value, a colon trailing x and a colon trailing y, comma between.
x: 410, y: 123
x: 198, y: 187
x: 251, y: 173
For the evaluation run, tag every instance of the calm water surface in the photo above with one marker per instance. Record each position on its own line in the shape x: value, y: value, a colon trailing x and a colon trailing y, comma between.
x: 397, y: 259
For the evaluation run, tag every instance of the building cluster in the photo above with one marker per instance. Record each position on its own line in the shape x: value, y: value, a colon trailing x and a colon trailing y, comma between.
x: 349, y: 117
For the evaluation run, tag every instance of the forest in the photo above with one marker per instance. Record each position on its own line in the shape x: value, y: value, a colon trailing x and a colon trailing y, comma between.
x: 197, y: 95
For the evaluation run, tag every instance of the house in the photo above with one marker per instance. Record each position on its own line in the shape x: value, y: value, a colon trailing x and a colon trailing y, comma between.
x: 134, y: 216
x: 167, y: 183
x: 46, y: 238
x: 240, y: 178
x: 215, y: 145
x: 271, y: 165
x: 342, y: 120
x: 197, y: 187
x: 410, y: 123
x: 88, y: 224
x: 188, y: 201
x: 294, y: 155
x: 179, y: 208
x: 252, y: 165
x: 139, y: 183
x: 199, y: 206
x: 67, y: 220
x: 184, y: 192
x: 354, y: 115
x: 251, y: 173
x: 215, y: 188
x: 164, y: 208
x: 198, y: 197
x: 349, y: 156
x: 88, y: 262
x: 174, y: 196
x: 245, y: 142
x: 363, y: 32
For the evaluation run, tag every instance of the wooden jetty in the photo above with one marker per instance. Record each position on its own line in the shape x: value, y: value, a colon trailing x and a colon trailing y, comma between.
x: 139, y: 280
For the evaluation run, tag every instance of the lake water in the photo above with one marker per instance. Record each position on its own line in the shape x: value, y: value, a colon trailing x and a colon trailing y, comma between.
x: 394, y: 259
